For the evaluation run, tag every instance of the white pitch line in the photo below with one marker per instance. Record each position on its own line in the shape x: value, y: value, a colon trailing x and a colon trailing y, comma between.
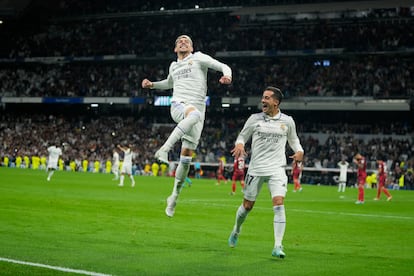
x: 350, y: 214
x: 299, y: 210
x: 64, y: 269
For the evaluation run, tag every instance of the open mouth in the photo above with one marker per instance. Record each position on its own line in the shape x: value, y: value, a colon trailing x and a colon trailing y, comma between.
x: 183, y: 46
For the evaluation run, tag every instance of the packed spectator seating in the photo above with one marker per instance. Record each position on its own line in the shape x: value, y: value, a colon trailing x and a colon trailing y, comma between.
x: 375, y: 61
x: 374, y: 76
x: 95, y: 138
x: 64, y: 56
x: 212, y: 32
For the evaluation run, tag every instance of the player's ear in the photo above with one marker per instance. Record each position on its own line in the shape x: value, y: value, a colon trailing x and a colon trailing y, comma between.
x: 277, y: 102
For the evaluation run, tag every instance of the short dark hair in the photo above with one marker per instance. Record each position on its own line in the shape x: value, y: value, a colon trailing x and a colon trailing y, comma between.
x: 277, y: 93
x: 186, y: 36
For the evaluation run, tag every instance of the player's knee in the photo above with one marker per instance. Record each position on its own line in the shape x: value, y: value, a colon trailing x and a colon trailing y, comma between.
x: 248, y: 208
x: 185, y: 151
x: 248, y: 205
x: 194, y: 115
x: 277, y: 200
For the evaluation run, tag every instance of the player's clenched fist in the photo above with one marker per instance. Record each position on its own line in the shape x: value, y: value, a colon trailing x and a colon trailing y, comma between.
x: 146, y: 83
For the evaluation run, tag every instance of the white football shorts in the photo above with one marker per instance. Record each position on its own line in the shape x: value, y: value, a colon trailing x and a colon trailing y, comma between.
x: 277, y: 184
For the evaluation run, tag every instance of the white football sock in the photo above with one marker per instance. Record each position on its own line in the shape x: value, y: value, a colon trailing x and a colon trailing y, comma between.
x: 279, y: 224
x: 241, y: 215
x: 50, y: 174
x: 181, y: 173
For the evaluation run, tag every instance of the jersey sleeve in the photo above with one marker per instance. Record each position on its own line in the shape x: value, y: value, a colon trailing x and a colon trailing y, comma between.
x: 247, y: 131
x: 293, y: 138
x: 166, y: 83
x: 214, y: 64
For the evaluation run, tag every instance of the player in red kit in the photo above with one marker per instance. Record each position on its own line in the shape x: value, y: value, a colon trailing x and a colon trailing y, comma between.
x: 220, y: 172
x: 360, y: 161
x: 382, y: 177
x: 238, y: 173
x: 296, y: 175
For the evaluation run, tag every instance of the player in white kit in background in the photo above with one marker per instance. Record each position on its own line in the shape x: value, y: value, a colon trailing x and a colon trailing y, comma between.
x: 52, y: 162
x: 115, y: 164
x: 188, y: 78
x: 343, y: 171
x: 126, y: 165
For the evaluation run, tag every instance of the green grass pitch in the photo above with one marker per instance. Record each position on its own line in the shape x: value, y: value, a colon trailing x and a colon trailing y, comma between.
x: 83, y: 221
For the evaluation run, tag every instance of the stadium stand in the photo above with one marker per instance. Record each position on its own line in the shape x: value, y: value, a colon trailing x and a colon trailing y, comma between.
x: 81, y: 53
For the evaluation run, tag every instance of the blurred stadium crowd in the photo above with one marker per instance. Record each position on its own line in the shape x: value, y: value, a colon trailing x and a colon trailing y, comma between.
x: 347, y: 56
x: 93, y: 139
x: 364, y: 76
x: 375, y: 52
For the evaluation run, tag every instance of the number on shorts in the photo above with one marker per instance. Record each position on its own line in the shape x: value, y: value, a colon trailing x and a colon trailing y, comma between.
x: 249, y: 179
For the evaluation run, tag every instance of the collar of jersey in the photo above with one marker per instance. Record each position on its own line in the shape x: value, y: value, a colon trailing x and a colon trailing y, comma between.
x: 275, y: 118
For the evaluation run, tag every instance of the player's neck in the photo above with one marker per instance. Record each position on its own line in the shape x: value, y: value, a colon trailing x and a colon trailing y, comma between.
x: 273, y: 113
x: 182, y: 55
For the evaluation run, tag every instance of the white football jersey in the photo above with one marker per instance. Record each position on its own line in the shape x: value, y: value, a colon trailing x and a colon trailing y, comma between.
x: 188, y: 78
x: 128, y: 157
x: 54, y: 153
x: 115, y: 158
x: 343, y: 170
x: 269, y: 136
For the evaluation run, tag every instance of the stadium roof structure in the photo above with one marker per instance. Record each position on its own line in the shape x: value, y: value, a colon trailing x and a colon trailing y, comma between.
x: 11, y: 8
x: 324, y: 7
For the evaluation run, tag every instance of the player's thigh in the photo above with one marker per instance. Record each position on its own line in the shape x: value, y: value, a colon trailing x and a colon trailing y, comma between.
x: 124, y: 169
x: 191, y: 140
x: 278, y: 183
x: 177, y: 111
x: 253, y: 185
x: 129, y: 169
